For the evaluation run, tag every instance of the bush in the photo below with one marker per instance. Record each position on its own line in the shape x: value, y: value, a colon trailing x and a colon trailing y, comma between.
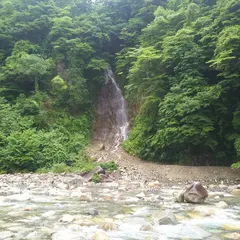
x: 109, y: 166
x: 236, y: 165
x: 96, y: 178
x: 33, y: 137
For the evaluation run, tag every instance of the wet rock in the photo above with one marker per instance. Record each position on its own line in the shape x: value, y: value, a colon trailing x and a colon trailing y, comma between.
x: 33, y: 235
x: 49, y: 214
x: 236, y: 192
x: 141, y: 195
x: 82, y: 196
x: 108, y: 226
x: 196, y: 193
x: 180, y: 197
x: 212, y: 187
x: 132, y: 200
x: 222, y: 205
x: 168, y: 218
x: 222, y: 186
x: 93, y: 212
x: 154, y: 184
x: 101, y: 147
x: 204, y: 211
x: 213, y: 194
x: 67, y: 218
x: 233, y: 236
x: 142, y: 212
x: 62, y: 186
x: 146, y: 228
x: 18, y: 197
x: 231, y: 227
x: 6, y: 234
x: 84, y: 222
x: 132, y: 224
x: 100, y: 236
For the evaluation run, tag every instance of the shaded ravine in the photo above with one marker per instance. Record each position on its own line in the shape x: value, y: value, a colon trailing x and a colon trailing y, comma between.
x: 112, y: 123
x: 111, y: 130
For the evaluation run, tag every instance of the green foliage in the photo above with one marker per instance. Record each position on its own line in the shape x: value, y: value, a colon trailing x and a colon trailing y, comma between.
x: 178, y: 60
x: 236, y: 165
x: 189, y: 60
x: 58, y: 84
x: 27, y: 144
x: 96, y: 178
x: 109, y: 166
x: 81, y: 165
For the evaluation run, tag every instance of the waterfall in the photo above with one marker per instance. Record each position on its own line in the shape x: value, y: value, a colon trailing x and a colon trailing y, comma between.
x: 112, y: 123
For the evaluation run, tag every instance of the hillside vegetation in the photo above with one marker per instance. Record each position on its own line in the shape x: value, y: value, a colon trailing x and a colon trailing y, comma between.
x: 178, y: 62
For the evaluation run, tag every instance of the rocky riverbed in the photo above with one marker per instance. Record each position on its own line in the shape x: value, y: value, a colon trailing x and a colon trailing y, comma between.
x: 65, y: 207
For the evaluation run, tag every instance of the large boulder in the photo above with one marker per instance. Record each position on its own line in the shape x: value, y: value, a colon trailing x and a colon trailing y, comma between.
x: 195, y: 193
x: 97, y: 170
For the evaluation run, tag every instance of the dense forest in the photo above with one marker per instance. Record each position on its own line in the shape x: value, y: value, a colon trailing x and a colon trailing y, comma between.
x: 178, y: 62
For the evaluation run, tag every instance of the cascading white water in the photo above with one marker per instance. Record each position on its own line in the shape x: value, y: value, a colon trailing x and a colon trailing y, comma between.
x: 112, y: 123
x: 121, y: 120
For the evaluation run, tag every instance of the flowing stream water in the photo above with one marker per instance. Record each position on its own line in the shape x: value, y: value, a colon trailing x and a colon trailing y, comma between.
x: 112, y: 123
x: 64, y: 207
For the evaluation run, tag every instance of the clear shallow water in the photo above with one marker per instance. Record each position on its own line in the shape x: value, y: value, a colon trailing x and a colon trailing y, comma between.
x: 39, y: 214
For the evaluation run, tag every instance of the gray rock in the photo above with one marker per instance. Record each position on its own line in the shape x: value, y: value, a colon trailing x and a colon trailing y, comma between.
x: 168, y: 219
x: 93, y: 212
x: 180, y: 197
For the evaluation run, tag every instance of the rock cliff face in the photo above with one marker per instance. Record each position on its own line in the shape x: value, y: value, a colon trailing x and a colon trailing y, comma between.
x: 112, y: 123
